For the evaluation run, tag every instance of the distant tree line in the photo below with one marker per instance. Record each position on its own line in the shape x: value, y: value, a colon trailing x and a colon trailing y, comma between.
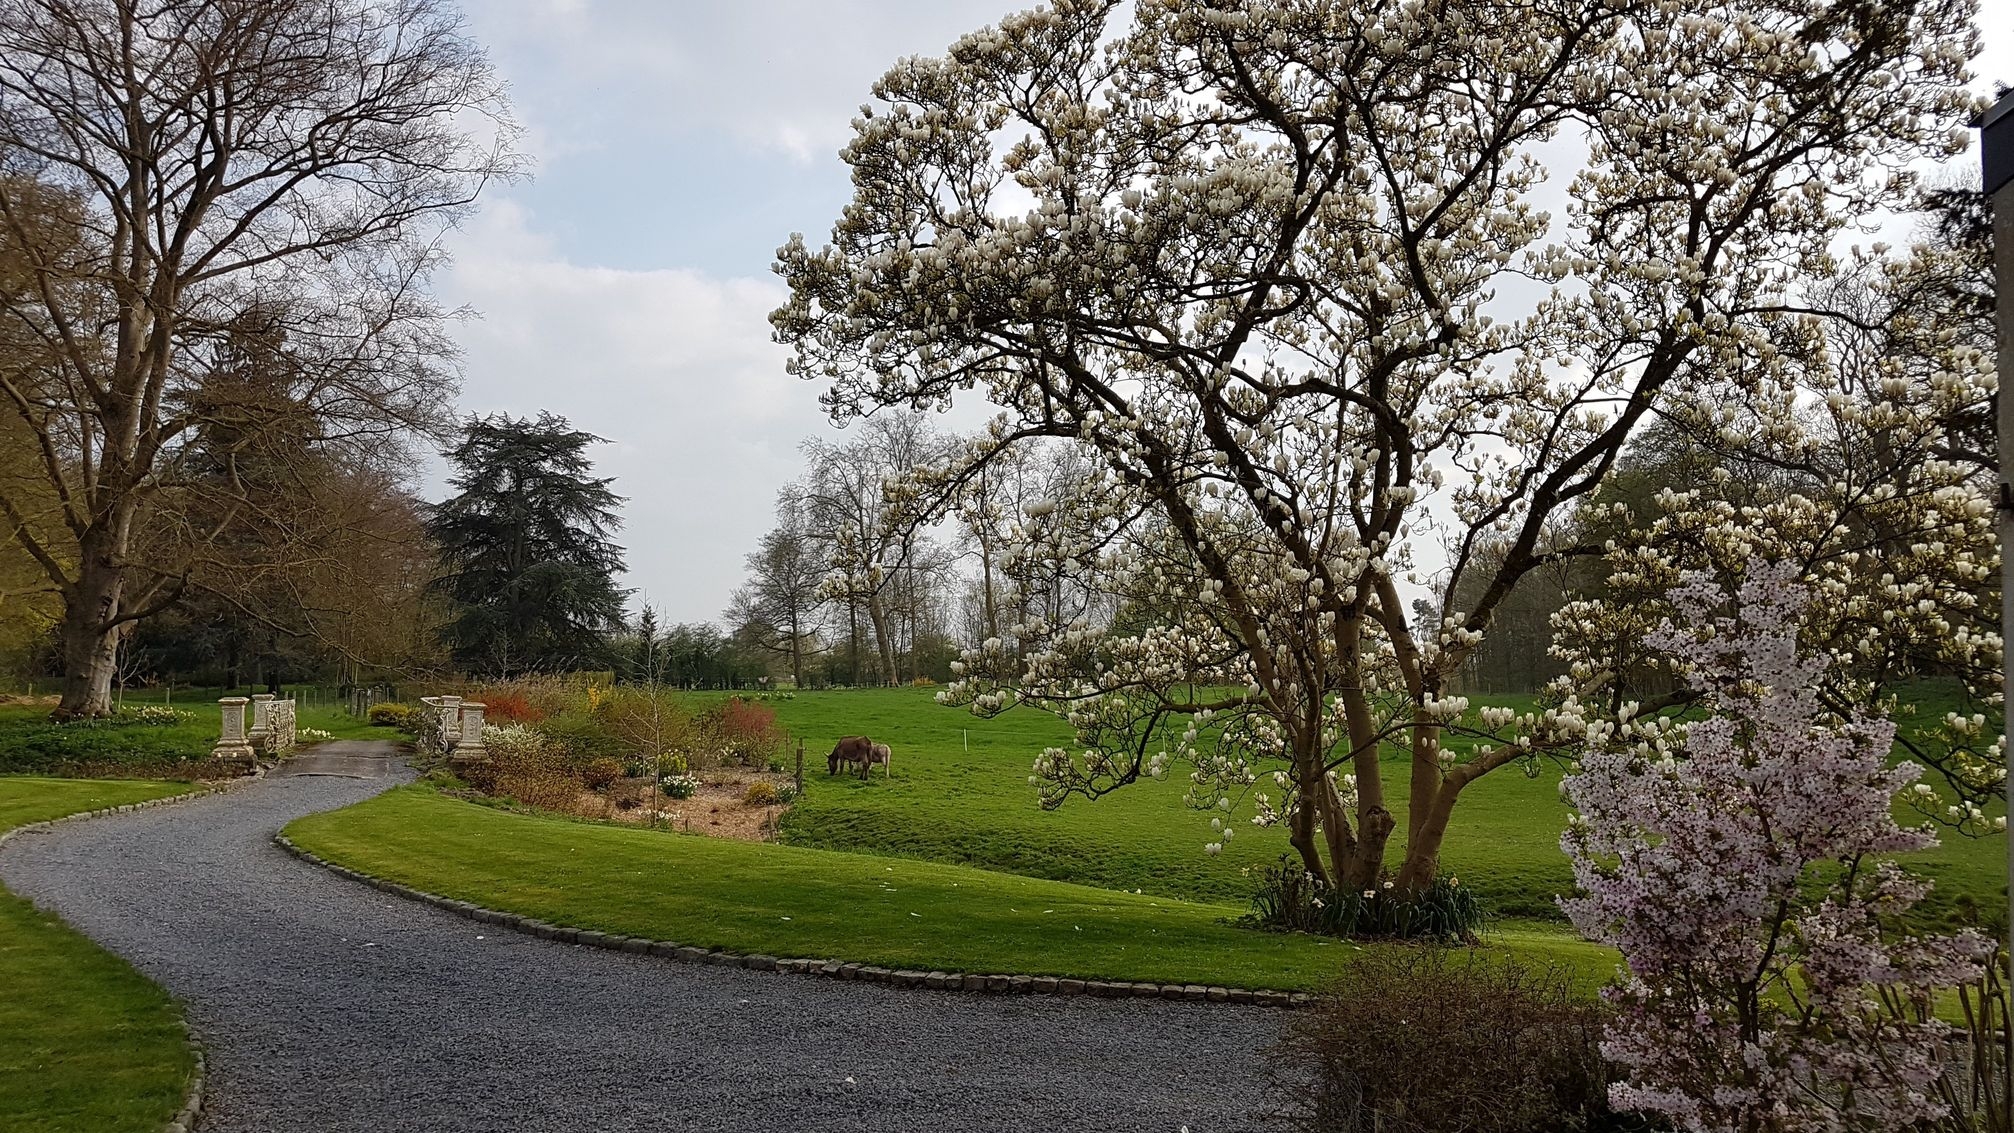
x: 872, y: 578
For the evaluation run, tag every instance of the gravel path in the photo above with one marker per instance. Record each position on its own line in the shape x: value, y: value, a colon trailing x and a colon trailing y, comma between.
x: 326, y: 1006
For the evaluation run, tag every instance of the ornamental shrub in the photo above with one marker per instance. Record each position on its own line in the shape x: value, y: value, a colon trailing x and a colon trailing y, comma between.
x: 390, y: 714
x: 1741, y: 865
x: 679, y: 786
x: 1290, y: 899
x: 509, y: 707
x: 1434, y: 1040
x: 747, y: 734
x: 760, y: 793
x: 584, y: 738
x: 525, y: 765
x: 600, y: 774
x: 514, y: 743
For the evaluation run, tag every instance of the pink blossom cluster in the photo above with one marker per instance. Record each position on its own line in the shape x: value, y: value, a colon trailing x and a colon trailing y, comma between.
x: 1743, y: 875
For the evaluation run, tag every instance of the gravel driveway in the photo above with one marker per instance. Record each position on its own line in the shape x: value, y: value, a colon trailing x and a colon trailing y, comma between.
x: 326, y: 1006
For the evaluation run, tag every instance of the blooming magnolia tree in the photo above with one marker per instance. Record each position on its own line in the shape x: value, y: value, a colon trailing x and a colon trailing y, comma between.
x: 1737, y: 862
x: 1278, y: 265
x: 1868, y: 465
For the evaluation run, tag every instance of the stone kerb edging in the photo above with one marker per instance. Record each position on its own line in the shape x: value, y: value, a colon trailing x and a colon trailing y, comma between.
x: 192, y: 1095
x: 144, y: 804
x: 833, y: 969
x: 192, y: 1100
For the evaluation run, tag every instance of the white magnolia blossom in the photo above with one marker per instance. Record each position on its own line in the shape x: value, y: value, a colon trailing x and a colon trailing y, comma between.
x: 1249, y: 262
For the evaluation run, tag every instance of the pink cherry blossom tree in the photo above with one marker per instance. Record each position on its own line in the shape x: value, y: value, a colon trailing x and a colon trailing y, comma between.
x: 1740, y: 863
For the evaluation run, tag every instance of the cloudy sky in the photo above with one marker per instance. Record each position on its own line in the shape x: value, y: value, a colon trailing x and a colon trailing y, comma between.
x: 627, y: 285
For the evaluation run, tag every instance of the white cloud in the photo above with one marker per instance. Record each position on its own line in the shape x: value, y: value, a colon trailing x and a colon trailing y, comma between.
x: 785, y: 75
x: 675, y: 367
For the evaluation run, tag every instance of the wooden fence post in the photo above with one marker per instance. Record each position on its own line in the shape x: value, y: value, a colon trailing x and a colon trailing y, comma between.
x: 800, y: 769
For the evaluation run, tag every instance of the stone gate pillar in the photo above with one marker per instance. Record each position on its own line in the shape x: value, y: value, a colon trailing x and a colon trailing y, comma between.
x: 232, y: 745
x: 451, y: 722
x: 469, y: 745
x: 261, y: 732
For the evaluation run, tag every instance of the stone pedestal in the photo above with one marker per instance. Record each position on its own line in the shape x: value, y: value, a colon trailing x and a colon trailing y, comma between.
x: 260, y: 734
x: 468, y: 746
x: 233, y: 746
x: 451, y: 722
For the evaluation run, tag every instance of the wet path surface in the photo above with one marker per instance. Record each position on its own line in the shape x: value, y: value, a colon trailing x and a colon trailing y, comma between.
x: 324, y: 1005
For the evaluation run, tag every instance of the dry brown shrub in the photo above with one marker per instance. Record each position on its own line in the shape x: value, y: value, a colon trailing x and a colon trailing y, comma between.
x: 1436, y: 1040
x: 652, y: 725
x: 522, y: 765
x: 600, y: 774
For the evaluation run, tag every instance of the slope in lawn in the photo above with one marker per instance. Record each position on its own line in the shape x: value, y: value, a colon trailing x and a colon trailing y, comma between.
x: 791, y: 901
x: 960, y: 793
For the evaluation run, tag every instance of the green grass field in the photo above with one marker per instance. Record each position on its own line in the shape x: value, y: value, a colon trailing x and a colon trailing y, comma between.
x: 951, y: 864
x: 792, y: 901
x: 960, y: 794
x: 87, y: 1044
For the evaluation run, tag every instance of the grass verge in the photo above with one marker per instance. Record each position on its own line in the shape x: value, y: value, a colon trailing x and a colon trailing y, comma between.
x: 792, y: 901
x: 87, y: 1044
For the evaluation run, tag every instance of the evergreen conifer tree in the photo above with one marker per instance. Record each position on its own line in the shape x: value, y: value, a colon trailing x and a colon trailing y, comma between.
x: 528, y: 544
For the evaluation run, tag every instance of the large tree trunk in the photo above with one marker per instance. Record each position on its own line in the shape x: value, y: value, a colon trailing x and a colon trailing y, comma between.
x: 1423, y: 846
x: 1374, y: 820
x: 883, y: 646
x: 1429, y: 822
x: 89, y: 639
x: 1301, y: 836
x: 796, y: 655
x: 992, y: 610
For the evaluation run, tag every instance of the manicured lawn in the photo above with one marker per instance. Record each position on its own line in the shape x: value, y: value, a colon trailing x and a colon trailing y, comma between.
x: 793, y: 901
x: 87, y: 1044
x: 25, y: 799
x: 960, y: 794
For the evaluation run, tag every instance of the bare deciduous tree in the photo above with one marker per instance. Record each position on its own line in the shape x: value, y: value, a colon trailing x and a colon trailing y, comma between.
x: 276, y: 171
x: 785, y: 590
x: 848, y: 512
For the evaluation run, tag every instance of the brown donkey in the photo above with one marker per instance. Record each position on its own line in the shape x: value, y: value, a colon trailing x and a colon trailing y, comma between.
x: 850, y: 749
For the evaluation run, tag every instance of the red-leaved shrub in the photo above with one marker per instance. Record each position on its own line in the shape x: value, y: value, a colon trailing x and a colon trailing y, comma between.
x: 510, y: 708
x: 749, y: 732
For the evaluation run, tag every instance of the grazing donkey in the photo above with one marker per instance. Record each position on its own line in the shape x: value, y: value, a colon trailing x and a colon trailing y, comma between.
x: 850, y: 749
